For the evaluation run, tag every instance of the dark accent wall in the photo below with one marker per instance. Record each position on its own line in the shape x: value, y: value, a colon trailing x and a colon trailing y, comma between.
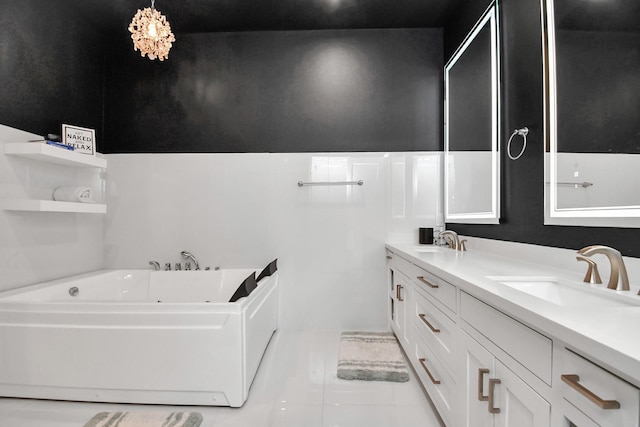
x: 596, y: 113
x: 470, y: 96
x: 284, y: 91
x: 51, y: 68
x: 522, y: 96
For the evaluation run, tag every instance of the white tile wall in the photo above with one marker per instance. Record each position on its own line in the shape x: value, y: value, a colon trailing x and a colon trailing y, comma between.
x: 39, y: 246
x: 614, y: 177
x: 243, y: 210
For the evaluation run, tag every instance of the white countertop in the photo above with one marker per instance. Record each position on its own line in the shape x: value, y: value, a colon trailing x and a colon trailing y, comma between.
x: 609, y: 336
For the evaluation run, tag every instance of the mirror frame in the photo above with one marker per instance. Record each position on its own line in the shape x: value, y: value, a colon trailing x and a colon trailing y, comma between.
x: 490, y: 17
x: 605, y: 216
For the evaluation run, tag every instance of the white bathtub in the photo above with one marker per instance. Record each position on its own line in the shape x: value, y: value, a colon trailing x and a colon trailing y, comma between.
x: 136, y: 336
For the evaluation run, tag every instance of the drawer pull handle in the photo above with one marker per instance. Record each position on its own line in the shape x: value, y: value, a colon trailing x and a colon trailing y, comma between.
x: 481, y: 374
x: 574, y: 383
x: 429, y: 284
x: 433, y: 380
x: 389, y: 257
x: 492, y: 392
x: 423, y: 317
x: 398, y: 295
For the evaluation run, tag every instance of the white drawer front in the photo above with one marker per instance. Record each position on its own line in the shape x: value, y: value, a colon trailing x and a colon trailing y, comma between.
x: 591, y: 389
x: 441, y: 290
x: 530, y: 348
x: 436, y: 380
x: 436, y: 328
x: 399, y: 263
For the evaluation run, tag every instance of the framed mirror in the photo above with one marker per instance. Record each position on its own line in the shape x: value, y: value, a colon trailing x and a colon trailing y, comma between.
x: 592, y: 158
x: 472, y: 111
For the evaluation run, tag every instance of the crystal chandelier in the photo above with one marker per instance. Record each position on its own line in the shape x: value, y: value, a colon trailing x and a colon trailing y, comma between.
x: 151, y: 33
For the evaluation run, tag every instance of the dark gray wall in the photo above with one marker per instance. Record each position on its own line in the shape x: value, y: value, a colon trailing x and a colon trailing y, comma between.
x: 303, y: 91
x: 598, y: 80
x: 522, y: 97
x: 51, y: 68
x: 470, y: 96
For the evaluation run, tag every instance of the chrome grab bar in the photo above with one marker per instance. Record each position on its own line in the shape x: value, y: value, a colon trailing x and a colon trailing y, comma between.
x: 584, y: 184
x: 302, y: 184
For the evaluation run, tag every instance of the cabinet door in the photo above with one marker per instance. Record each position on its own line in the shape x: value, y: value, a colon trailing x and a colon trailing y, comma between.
x: 393, y: 301
x: 478, y: 368
x: 400, y: 292
x: 404, y: 299
x: 519, y: 404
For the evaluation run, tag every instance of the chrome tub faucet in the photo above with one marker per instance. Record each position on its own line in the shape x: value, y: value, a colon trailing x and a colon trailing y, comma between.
x: 193, y: 258
x: 155, y: 264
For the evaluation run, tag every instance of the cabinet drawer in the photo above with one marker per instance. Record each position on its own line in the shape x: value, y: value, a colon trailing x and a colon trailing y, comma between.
x: 435, y: 327
x: 398, y: 263
x: 436, y: 380
x: 603, y: 397
x: 441, y: 290
x: 530, y: 348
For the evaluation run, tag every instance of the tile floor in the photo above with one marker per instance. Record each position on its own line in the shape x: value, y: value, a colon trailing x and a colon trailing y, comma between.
x: 296, y: 386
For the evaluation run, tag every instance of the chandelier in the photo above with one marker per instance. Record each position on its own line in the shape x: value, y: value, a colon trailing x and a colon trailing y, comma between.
x: 151, y: 33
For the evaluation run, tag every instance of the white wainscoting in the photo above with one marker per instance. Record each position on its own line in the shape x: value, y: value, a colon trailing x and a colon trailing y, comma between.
x: 240, y: 210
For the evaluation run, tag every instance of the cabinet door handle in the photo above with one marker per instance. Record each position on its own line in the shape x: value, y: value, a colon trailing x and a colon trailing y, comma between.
x: 433, y: 380
x: 481, y: 374
x: 389, y: 257
x: 423, y: 317
x: 574, y: 383
x: 492, y: 392
x: 429, y: 284
x: 398, y: 295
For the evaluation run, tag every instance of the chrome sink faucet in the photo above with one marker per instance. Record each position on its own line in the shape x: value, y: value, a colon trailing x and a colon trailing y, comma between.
x: 618, y: 269
x: 190, y: 255
x: 454, y: 240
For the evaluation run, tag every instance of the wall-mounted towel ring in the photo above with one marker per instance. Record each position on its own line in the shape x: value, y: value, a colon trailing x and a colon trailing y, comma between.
x: 523, y: 133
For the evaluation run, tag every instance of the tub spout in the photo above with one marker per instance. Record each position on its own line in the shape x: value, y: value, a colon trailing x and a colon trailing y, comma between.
x: 190, y: 255
x: 155, y: 264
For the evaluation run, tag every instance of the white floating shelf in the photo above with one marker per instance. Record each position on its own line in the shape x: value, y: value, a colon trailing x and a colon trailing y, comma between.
x: 49, y: 153
x: 53, y: 206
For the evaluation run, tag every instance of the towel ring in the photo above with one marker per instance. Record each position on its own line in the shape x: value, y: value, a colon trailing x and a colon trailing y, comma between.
x: 523, y: 133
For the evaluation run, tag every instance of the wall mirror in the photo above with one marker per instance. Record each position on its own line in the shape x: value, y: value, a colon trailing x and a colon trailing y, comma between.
x: 592, y: 158
x: 472, y: 108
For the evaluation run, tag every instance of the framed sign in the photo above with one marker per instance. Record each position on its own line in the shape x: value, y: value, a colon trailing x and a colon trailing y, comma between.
x: 82, y: 140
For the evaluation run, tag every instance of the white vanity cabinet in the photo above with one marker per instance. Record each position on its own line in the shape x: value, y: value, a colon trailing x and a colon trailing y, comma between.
x: 480, y: 367
x: 490, y: 357
x: 422, y: 313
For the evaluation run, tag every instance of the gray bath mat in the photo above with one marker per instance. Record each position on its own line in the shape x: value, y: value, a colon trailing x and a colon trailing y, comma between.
x: 371, y: 356
x: 145, y: 419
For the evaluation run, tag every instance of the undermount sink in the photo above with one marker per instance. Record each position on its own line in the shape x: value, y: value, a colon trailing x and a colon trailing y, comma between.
x: 426, y: 249
x: 552, y: 290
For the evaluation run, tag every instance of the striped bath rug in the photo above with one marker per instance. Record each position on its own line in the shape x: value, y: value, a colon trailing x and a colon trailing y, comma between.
x: 145, y: 419
x: 371, y: 356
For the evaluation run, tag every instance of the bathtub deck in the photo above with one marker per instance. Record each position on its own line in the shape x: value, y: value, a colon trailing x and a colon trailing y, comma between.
x: 296, y: 385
